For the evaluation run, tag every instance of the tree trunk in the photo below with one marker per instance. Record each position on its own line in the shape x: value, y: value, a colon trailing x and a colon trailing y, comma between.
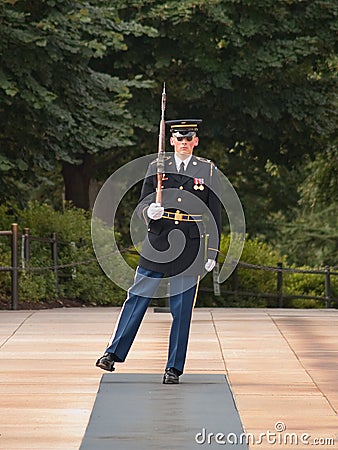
x: 77, y: 180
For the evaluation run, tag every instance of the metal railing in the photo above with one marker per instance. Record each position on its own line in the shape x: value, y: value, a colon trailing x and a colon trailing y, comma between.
x: 217, y: 290
x: 14, y: 269
x: 26, y: 239
x: 279, y: 295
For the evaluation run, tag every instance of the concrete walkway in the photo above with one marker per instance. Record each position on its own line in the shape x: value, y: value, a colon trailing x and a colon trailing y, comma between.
x: 282, y: 366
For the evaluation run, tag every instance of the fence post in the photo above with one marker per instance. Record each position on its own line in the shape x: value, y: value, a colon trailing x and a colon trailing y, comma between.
x: 234, y: 280
x: 15, y: 269
x: 54, y: 239
x: 280, y: 285
x: 327, y: 287
x: 215, y: 274
x: 25, y: 250
x: 73, y: 247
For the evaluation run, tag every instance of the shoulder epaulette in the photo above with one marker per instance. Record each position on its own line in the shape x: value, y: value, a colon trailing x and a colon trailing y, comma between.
x: 207, y: 161
x: 204, y: 159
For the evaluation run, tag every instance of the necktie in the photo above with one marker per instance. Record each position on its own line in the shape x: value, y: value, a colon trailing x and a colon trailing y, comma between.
x: 181, y: 171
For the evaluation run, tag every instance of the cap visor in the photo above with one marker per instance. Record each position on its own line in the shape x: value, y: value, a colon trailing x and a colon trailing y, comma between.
x: 182, y: 134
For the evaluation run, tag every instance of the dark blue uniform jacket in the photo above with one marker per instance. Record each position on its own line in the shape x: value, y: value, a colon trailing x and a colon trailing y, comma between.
x: 182, y: 242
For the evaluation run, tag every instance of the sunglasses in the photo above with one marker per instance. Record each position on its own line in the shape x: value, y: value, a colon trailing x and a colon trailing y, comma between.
x: 188, y: 138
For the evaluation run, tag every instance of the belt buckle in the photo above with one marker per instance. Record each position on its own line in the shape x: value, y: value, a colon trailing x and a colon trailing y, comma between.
x: 178, y: 215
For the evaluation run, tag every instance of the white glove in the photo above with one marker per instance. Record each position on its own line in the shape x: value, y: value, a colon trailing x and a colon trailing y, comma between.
x: 155, y: 211
x: 209, y: 265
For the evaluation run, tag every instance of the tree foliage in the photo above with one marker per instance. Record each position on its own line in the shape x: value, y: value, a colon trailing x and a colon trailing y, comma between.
x: 311, y: 236
x: 53, y: 105
x: 263, y: 76
x: 260, y: 72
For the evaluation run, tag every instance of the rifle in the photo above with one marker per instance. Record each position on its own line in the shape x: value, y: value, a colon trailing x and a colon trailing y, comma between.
x: 161, y: 150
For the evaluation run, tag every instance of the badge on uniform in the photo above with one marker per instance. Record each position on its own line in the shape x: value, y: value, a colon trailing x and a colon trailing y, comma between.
x: 199, y: 184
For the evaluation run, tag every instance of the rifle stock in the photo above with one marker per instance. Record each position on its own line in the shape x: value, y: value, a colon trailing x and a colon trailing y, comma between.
x: 161, y: 150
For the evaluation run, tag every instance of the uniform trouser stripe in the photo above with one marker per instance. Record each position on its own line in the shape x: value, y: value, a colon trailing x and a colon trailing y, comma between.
x: 196, y: 290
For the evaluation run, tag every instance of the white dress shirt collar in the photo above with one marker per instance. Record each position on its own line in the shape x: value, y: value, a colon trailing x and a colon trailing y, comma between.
x: 178, y: 162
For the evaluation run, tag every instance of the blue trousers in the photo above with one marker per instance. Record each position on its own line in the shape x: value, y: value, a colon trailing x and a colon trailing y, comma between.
x: 135, y: 306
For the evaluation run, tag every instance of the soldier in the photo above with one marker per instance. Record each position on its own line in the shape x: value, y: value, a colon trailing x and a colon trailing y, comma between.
x: 182, y: 243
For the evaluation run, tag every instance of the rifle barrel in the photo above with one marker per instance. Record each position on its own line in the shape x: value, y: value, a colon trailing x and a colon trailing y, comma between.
x: 161, y: 148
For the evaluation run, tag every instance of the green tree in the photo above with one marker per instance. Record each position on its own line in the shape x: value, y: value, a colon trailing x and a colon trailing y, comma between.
x: 312, y: 236
x: 54, y: 107
x: 262, y: 75
x: 260, y: 72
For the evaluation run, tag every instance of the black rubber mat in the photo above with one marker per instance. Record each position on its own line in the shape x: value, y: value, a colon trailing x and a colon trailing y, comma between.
x: 137, y: 411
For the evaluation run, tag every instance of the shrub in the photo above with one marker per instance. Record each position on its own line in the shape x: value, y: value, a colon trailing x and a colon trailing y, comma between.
x: 5, y: 280
x: 34, y: 287
x: 249, y: 280
x: 83, y: 280
x: 265, y: 282
x: 306, y: 284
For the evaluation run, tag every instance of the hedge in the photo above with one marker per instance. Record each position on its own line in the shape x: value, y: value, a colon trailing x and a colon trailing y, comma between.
x: 88, y: 283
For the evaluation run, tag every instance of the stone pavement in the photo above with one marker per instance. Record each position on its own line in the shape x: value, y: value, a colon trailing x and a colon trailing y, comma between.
x: 282, y: 366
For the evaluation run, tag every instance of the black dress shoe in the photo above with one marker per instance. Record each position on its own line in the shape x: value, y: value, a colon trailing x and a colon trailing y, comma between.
x: 106, y: 362
x: 171, y: 376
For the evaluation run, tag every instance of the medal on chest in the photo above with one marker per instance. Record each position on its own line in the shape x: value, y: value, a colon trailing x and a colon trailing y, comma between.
x: 199, y: 184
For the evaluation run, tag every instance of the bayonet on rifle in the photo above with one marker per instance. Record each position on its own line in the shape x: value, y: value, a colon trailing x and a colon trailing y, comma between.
x: 161, y: 149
